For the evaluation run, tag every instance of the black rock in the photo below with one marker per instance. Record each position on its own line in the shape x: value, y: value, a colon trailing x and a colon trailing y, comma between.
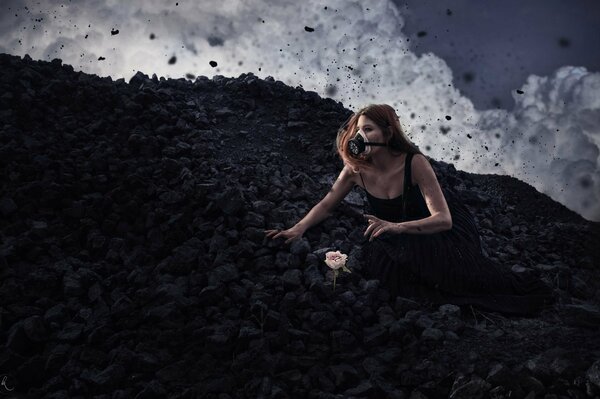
x: 134, y: 259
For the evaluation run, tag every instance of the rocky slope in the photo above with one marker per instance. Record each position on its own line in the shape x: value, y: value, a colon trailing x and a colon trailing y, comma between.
x: 134, y: 264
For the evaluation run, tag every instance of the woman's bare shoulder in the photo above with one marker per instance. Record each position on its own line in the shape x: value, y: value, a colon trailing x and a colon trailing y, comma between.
x: 421, y: 168
x: 349, y: 173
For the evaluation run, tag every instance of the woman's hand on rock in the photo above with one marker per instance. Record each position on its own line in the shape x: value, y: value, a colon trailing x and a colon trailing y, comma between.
x: 291, y: 234
x: 378, y: 226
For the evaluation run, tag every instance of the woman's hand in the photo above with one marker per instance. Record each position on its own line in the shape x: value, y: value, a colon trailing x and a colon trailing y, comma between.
x: 378, y: 226
x: 291, y: 234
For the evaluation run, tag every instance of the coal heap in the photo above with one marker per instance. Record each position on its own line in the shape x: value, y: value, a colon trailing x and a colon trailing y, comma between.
x: 135, y: 265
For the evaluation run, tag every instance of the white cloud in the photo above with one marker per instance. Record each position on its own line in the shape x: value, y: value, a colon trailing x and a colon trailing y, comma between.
x: 349, y: 38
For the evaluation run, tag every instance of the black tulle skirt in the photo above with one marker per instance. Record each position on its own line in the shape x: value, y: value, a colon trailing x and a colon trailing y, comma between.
x: 449, y: 267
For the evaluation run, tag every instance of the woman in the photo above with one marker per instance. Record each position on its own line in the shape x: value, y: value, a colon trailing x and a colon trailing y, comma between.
x: 423, y: 242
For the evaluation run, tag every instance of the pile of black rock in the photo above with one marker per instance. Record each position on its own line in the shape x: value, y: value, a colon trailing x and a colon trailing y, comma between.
x: 134, y: 262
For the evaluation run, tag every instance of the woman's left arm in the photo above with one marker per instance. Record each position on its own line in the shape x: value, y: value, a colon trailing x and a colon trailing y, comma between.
x: 440, y: 219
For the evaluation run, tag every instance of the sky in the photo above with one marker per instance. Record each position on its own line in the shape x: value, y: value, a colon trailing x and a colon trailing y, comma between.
x: 496, y: 87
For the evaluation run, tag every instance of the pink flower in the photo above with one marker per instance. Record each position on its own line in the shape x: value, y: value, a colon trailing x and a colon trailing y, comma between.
x: 336, y: 261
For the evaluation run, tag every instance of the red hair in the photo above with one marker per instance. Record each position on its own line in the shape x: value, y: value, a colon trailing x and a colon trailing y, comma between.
x: 386, y: 119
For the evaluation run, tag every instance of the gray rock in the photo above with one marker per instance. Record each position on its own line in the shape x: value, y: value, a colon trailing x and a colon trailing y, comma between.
x: 35, y: 329
x: 499, y: 374
x: 342, y: 339
x: 583, y: 315
x: 449, y: 310
x: 57, y: 313
x: 72, y: 286
x: 262, y: 207
x: 344, y: 375
x: 300, y: 247
x: 531, y: 384
x: 223, y: 274
x: 171, y: 197
x: 70, y: 332
x: 17, y: 340
x: 375, y: 335
x: 403, y: 305
x: 363, y: 389
x: 7, y: 206
x: 253, y: 219
x: 373, y: 366
x: 210, y: 295
x: 292, y: 279
x: 107, y: 379
x: 424, y: 322
x: 348, y: 298
x: 433, y: 334
x: 323, y: 320
x: 152, y: 390
x: 231, y: 201
x: 593, y: 374
x: 474, y: 389
x: 313, y: 275
x: 399, y: 329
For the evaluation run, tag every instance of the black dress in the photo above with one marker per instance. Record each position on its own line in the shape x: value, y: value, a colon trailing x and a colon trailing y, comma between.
x: 447, y: 266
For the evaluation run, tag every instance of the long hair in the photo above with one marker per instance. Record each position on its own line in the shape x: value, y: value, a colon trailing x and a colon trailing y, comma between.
x: 386, y: 119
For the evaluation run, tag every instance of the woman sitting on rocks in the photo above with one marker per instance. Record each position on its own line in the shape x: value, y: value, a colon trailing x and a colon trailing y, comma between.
x: 423, y: 242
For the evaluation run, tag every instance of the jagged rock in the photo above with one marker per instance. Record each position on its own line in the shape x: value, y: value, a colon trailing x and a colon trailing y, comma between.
x: 584, y: 315
x: 475, y: 388
x: 433, y: 334
x: 375, y: 335
x: 35, y: 329
x: 134, y: 259
x: 7, y: 206
x: 292, y: 279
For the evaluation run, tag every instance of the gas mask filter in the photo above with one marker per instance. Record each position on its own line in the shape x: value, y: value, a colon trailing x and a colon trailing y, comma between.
x: 359, y: 144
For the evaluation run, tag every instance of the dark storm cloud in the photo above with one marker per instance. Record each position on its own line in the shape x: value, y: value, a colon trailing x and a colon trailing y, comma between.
x: 500, y: 43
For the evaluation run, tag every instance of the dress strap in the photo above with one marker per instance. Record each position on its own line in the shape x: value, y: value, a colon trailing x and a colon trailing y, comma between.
x: 407, y: 170
x: 361, y: 178
x: 407, y: 183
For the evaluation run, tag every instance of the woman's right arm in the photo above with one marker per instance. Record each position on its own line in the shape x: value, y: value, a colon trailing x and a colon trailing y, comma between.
x: 324, y: 208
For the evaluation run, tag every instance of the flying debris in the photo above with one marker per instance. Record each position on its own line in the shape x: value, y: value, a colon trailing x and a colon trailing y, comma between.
x: 331, y: 90
x: 114, y: 32
x: 564, y: 42
x: 214, y: 64
x: 585, y: 182
x: 309, y: 29
x: 215, y: 41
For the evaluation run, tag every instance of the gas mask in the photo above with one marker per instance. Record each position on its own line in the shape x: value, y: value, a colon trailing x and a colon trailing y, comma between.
x: 359, y: 144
